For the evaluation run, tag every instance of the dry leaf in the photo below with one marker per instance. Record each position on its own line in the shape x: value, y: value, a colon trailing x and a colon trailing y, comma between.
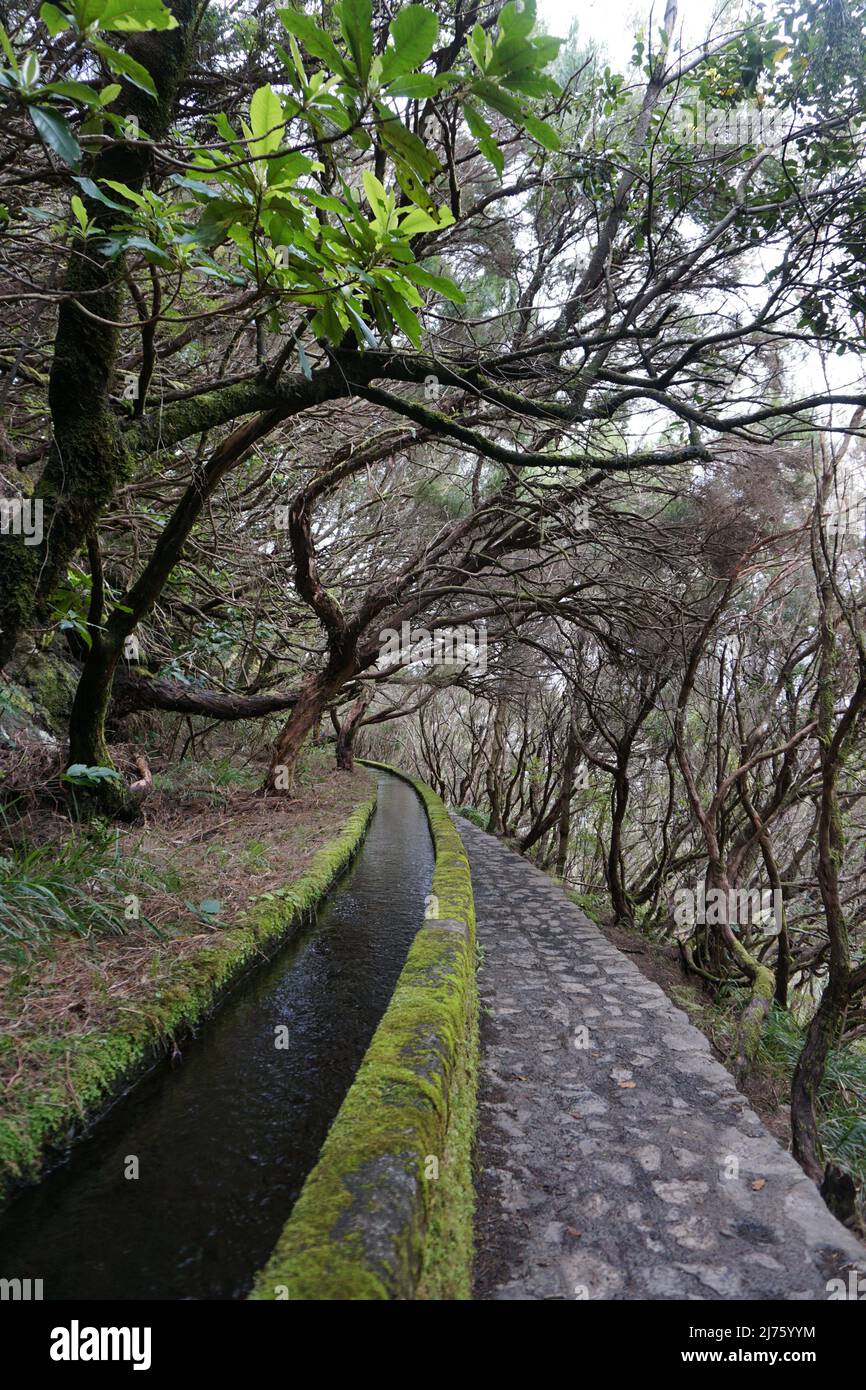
x: 758, y: 1184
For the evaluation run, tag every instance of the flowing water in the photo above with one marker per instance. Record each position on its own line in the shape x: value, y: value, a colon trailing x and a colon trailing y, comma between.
x: 225, y: 1139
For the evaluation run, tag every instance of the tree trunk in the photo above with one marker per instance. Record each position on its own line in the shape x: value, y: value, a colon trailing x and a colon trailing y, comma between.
x: 569, y: 770
x: 496, y: 768
x: 833, y: 741
x: 87, y: 722
x: 348, y: 729
x: 823, y: 1033
x: 87, y: 743
x: 305, y: 716
x: 619, y: 804
x: 88, y: 457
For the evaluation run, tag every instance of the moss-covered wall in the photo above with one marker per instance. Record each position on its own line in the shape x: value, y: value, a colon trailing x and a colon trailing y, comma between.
x: 93, y: 1069
x: 387, y: 1211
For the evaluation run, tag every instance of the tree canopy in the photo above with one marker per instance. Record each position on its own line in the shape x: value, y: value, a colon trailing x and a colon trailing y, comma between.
x: 321, y: 320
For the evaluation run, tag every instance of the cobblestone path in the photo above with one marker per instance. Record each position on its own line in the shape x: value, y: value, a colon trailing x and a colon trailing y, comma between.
x: 616, y: 1158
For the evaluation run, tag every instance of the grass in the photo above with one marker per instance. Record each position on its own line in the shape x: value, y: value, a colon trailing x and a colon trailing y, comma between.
x: 87, y: 1013
x: 841, y: 1100
x: 81, y: 885
x: 208, y: 838
x: 590, y: 903
x: 470, y: 813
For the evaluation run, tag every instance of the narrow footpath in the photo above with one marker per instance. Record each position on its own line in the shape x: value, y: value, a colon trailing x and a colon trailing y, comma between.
x: 616, y: 1159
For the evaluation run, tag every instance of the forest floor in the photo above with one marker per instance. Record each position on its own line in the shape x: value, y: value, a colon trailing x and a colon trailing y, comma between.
x: 206, y: 847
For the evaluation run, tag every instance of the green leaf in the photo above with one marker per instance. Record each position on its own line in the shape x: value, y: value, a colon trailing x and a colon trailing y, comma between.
x: 493, y: 95
x: 541, y: 131
x: 287, y: 168
x: 545, y: 50
x: 440, y: 283
x: 54, y: 131
x: 406, y: 145
x: 304, y: 361
x: 75, y: 91
x: 126, y: 192
x: 415, y: 85
x: 477, y: 43
x: 315, y: 40
x: 79, y: 212
x: 210, y: 906
x: 151, y: 252
x: 417, y: 220
x: 401, y: 313
x: 266, y: 121
x: 476, y: 122
x: 55, y: 20
x: 378, y: 199
x: 8, y: 49
x: 30, y: 70
x: 356, y: 22
x: 368, y: 337
x: 530, y: 84
x: 226, y: 130
x: 81, y: 773
x: 124, y: 65
x: 135, y: 16
x: 413, y: 188
x: 92, y: 190
x: 414, y: 31
x: 515, y: 23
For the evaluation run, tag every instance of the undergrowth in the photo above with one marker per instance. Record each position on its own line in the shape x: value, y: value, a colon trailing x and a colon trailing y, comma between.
x: 471, y: 813
x: 80, y: 885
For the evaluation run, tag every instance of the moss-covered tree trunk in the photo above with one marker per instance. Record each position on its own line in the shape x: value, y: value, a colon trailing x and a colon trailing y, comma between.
x: 828, y: 1022
x: 313, y: 697
x: 569, y: 773
x: 90, y: 707
x: 618, y: 807
x: 496, y: 767
x: 88, y: 458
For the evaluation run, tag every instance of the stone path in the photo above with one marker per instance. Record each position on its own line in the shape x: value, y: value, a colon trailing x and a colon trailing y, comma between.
x: 616, y: 1158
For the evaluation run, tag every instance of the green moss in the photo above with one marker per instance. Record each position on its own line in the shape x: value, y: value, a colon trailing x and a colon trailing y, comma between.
x: 92, y: 1069
x: 446, y: 1273
x: 53, y: 683
x: 387, y: 1211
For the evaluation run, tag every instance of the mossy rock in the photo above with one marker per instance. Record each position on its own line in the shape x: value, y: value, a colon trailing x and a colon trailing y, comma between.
x: 39, y: 695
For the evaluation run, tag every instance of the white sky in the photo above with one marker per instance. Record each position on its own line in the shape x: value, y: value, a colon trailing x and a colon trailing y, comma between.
x: 613, y: 22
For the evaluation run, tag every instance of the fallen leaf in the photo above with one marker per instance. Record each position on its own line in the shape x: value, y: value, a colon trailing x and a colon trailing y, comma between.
x: 627, y: 1085
x: 758, y: 1184
x: 572, y: 1232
